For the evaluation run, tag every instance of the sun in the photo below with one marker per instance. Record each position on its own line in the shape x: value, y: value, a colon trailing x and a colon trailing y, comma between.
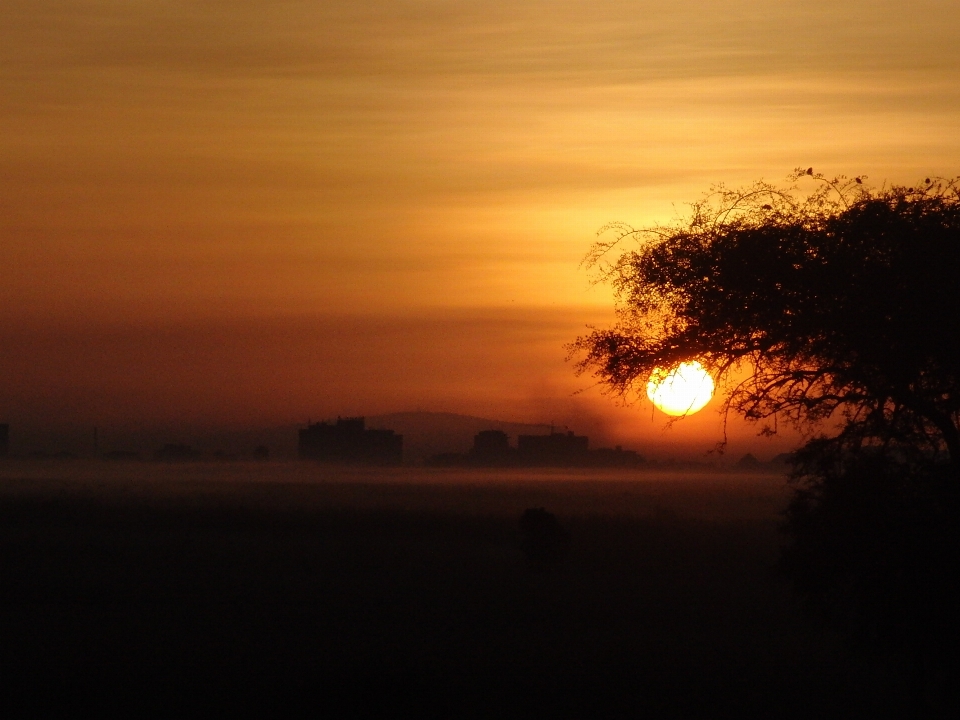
x: 682, y: 390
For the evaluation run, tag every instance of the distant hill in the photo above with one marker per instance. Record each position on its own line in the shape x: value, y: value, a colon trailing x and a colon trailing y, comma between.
x: 430, y: 433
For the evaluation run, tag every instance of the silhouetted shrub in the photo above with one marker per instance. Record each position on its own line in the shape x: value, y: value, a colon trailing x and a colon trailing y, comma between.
x: 544, y: 542
x: 748, y: 462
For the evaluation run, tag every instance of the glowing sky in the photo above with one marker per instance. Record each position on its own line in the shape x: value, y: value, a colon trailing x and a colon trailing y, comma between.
x: 257, y: 212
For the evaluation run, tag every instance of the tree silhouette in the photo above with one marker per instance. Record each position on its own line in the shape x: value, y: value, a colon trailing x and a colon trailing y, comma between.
x: 836, y: 310
x: 835, y: 307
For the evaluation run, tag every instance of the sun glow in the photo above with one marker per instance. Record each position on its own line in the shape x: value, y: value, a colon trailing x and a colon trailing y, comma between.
x: 682, y: 390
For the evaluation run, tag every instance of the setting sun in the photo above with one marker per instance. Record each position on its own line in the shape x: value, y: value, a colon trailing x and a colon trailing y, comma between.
x: 683, y: 390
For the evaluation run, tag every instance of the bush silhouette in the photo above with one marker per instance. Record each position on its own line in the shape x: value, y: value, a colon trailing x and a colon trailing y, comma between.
x: 542, y: 539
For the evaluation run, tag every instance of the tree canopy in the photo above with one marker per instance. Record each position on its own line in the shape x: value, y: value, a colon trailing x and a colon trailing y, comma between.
x: 835, y: 303
x: 834, y: 306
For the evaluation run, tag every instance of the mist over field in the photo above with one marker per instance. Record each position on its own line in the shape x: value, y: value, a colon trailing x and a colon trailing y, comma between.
x: 227, y: 586
x: 702, y: 494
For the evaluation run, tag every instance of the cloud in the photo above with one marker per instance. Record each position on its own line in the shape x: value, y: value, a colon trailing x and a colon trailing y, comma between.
x: 611, y: 40
x: 182, y: 170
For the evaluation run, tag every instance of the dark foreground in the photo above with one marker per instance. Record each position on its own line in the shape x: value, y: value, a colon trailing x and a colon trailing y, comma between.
x: 348, y: 593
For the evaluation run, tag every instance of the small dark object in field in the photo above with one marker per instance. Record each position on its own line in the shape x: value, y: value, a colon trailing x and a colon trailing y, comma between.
x: 543, y: 540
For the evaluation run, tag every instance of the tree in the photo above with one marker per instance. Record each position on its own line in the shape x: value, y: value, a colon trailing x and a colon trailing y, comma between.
x: 837, y: 310
x: 840, y: 305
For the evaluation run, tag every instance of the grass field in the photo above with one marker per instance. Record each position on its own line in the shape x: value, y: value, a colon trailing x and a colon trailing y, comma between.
x: 291, y: 587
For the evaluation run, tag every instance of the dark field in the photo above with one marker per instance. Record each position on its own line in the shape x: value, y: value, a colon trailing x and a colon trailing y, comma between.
x: 231, y: 588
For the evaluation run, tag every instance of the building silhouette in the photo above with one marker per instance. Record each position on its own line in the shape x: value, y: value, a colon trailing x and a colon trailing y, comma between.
x: 492, y: 447
x: 4, y: 439
x: 553, y: 449
x: 614, y: 457
x: 349, y: 441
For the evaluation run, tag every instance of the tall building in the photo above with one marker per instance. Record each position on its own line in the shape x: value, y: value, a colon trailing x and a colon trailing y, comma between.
x: 348, y: 440
x: 491, y: 447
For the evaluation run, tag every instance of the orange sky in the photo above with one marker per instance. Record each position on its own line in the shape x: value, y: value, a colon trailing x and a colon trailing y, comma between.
x: 251, y: 212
